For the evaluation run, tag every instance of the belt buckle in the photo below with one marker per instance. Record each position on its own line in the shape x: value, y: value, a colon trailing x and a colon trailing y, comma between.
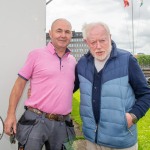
x: 55, y: 117
x: 37, y: 111
x: 51, y: 117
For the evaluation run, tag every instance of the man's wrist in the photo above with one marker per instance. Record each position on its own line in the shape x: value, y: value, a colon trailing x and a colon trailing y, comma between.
x: 134, y: 118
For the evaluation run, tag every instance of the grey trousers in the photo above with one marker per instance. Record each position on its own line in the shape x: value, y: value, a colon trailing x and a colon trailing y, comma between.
x: 34, y: 131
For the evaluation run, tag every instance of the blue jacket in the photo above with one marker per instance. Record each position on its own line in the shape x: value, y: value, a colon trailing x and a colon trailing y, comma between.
x: 120, y: 91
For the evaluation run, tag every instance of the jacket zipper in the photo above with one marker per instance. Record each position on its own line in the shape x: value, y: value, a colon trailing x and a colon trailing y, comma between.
x: 96, y: 131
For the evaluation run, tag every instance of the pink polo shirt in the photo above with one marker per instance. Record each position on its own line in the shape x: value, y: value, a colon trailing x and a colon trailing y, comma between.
x: 51, y: 80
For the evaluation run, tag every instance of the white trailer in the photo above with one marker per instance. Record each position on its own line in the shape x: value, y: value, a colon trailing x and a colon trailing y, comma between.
x: 22, y: 28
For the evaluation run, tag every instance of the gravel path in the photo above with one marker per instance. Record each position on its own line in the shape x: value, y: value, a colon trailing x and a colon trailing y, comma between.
x: 78, y: 144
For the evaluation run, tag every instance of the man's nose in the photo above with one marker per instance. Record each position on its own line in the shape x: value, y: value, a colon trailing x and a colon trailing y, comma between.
x: 63, y: 34
x: 98, y: 44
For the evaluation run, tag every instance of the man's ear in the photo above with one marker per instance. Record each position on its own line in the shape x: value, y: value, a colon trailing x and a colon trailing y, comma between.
x: 71, y: 34
x: 85, y: 41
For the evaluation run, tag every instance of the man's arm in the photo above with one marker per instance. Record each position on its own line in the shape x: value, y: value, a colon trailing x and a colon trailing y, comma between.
x: 141, y: 90
x: 16, y: 93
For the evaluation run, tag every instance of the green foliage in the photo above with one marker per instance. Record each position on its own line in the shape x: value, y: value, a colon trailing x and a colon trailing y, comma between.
x: 143, y: 124
x: 144, y: 60
x: 75, y: 111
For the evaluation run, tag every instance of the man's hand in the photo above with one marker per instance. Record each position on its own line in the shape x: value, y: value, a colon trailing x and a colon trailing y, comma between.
x: 10, y: 125
x: 16, y: 93
x: 129, y: 120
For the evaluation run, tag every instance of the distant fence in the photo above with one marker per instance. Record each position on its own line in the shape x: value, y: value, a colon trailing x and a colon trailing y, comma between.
x: 144, y: 62
x: 146, y: 71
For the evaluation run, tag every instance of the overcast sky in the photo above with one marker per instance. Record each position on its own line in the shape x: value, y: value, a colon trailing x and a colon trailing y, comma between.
x: 113, y: 13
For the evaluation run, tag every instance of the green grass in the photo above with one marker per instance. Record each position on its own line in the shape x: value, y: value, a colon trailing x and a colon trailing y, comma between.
x: 144, y: 132
x: 143, y: 124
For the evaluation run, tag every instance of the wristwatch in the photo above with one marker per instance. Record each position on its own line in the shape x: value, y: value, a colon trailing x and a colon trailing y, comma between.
x: 134, y: 118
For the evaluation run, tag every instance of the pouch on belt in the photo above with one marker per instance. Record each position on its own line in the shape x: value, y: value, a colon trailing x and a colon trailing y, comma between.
x: 68, y: 144
x: 24, y: 128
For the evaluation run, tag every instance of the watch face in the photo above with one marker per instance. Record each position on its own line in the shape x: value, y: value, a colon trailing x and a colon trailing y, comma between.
x: 135, y: 120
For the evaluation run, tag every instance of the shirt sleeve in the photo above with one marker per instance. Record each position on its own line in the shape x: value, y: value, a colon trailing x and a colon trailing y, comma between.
x: 27, y: 70
x: 140, y: 87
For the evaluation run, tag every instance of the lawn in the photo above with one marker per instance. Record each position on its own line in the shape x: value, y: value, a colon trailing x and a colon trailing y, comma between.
x: 143, y: 124
x: 144, y: 132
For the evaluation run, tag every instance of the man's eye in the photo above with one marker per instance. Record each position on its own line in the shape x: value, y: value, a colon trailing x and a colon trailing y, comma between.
x: 102, y: 41
x: 58, y: 31
x: 68, y: 32
x: 93, y: 43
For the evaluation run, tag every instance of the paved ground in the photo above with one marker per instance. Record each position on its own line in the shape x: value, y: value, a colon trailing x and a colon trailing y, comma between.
x: 79, y: 144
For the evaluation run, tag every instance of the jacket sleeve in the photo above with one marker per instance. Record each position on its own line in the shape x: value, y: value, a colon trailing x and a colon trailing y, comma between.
x: 140, y: 87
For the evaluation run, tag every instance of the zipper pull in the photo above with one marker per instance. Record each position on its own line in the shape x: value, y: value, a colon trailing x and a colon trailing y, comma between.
x: 130, y: 131
x: 95, y: 129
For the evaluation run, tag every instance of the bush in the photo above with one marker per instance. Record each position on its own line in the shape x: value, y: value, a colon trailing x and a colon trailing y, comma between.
x: 144, y: 61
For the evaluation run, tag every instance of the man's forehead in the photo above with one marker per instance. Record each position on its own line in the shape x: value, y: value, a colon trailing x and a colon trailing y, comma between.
x: 97, y: 36
x: 61, y: 24
x: 64, y: 29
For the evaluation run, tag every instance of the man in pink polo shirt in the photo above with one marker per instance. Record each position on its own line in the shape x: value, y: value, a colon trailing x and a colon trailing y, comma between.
x: 51, y: 74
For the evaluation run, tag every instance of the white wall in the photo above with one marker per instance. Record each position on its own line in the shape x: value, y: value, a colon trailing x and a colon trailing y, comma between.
x: 22, y: 28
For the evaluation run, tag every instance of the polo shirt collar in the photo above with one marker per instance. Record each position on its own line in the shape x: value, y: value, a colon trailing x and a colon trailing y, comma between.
x: 51, y: 48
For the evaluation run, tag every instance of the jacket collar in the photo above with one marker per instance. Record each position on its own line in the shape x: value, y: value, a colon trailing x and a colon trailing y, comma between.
x: 114, y: 50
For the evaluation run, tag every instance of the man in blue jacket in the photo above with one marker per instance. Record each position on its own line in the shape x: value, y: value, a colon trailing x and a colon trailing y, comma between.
x: 114, y: 92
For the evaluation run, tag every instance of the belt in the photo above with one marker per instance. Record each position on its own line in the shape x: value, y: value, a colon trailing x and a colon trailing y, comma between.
x: 49, y: 116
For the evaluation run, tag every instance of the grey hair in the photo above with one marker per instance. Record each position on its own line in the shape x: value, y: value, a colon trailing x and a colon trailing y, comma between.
x: 88, y: 26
